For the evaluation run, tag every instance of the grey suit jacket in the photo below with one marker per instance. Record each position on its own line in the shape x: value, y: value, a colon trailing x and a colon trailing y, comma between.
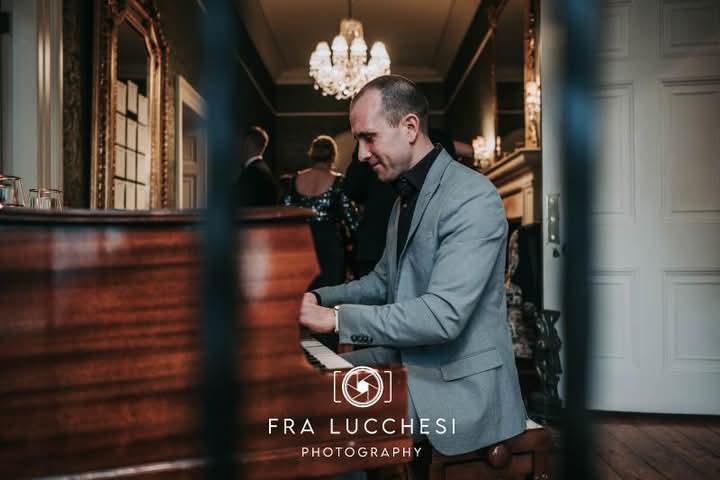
x: 442, y: 307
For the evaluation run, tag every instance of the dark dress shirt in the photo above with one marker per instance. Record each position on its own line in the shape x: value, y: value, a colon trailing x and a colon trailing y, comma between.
x: 408, y: 187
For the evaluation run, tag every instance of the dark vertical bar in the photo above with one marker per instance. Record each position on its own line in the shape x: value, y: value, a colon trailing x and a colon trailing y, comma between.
x: 577, y: 127
x: 4, y: 23
x: 219, y: 284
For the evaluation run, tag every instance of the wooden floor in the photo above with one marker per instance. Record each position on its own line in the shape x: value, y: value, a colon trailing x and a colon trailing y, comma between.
x: 657, y: 447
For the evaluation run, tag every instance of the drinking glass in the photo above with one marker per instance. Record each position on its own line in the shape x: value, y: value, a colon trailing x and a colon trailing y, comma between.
x: 46, y: 198
x: 11, y: 191
x: 57, y: 198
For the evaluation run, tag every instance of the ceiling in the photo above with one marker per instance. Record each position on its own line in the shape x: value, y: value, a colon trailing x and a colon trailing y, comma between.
x: 421, y: 36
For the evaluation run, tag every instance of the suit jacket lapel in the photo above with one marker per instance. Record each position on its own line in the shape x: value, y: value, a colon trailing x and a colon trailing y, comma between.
x: 391, y: 244
x: 430, y: 186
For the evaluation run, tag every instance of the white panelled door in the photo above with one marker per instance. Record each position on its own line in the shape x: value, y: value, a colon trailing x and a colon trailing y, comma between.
x: 656, y: 269
x: 194, y: 170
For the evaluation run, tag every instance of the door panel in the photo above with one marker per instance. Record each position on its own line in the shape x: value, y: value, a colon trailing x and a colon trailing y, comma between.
x: 193, y: 183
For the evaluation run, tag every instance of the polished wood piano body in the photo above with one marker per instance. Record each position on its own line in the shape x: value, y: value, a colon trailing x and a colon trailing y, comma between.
x: 100, y: 352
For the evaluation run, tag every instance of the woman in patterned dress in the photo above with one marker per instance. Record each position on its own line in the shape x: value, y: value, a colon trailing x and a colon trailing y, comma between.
x: 336, y: 218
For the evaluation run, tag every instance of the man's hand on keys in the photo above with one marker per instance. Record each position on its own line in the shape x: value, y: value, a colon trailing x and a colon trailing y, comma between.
x: 318, y: 319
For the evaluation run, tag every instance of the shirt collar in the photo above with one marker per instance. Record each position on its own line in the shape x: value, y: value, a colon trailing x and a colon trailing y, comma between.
x: 415, y: 177
x: 251, y: 160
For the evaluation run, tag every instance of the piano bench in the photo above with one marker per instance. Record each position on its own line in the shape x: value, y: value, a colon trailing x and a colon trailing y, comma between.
x: 523, y: 457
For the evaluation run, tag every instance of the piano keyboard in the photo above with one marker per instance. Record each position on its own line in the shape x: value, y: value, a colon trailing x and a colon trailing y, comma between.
x: 322, y: 357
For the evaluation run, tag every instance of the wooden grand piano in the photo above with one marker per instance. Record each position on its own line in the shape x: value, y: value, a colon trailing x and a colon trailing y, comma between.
x: 100, y: 355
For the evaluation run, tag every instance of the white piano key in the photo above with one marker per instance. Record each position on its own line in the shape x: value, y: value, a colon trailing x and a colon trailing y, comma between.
x: 329, y: 359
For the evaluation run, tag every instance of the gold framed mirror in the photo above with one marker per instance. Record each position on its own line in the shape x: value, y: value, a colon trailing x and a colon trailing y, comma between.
x: 531, y: 75
x: 516, y: 78
x: 129, y: 165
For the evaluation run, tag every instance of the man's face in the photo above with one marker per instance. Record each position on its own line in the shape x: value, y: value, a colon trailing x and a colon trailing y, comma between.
x: 387, y: 149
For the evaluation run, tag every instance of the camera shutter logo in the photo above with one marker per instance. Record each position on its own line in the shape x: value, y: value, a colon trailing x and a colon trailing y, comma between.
x: 362, y: 387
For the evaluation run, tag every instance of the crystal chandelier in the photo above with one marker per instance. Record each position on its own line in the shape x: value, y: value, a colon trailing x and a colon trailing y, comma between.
x: 348, y: 71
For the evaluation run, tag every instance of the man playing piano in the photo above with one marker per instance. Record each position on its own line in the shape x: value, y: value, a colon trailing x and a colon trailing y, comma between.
x: 435, y: 301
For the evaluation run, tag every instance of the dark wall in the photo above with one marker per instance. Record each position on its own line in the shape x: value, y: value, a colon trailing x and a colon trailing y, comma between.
x: 472, y: 112
x: 472, y: 101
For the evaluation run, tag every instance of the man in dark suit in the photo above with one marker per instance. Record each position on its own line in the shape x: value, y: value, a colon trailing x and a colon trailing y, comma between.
x: 256, y: 186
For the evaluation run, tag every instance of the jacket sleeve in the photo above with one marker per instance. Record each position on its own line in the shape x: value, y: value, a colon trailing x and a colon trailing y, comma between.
x: 471, y: 235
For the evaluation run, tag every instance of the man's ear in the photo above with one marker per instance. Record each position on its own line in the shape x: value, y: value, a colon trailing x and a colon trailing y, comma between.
x: 411, y: 126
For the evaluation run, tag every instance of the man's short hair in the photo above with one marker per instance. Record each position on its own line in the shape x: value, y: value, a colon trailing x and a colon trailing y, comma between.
x: 258, y: 136
x: 399, y: 96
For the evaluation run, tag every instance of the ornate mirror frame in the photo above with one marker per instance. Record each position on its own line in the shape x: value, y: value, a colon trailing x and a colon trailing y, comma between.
x: 141, y: 15
x: 531, y: 75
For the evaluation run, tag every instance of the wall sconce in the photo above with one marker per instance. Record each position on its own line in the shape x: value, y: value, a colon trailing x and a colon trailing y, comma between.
x: 482, y: 152
x: 532, y: 114
x: 532, y: 97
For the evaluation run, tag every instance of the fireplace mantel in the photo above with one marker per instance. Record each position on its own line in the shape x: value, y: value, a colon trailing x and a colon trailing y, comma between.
x: 518, y: 178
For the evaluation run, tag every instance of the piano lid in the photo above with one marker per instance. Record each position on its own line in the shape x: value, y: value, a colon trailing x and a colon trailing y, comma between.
x: 157, y: 216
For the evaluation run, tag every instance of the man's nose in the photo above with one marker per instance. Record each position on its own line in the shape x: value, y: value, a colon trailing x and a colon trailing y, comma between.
x: 363, y: 153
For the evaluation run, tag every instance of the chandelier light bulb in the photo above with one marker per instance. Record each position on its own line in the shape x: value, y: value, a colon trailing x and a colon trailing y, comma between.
x: 339, y: 45
x: 378, y: 51
x: 358, y: 47
x: 322, y: 49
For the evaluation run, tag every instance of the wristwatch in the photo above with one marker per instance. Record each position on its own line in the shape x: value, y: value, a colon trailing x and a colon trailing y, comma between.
x: 336, y: 309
